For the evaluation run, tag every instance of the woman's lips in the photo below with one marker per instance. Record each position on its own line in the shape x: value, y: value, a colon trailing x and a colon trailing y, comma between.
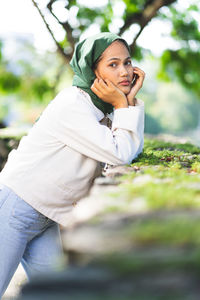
x: 125, y: 82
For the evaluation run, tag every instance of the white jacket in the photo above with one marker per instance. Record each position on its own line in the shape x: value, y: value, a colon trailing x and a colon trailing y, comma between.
x: 55, y: 164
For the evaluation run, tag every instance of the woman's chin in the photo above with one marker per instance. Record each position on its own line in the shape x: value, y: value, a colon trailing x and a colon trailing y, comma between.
x: 125, y: 89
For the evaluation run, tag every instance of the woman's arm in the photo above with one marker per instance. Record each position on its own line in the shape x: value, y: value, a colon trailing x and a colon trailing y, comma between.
x: 77, y: 126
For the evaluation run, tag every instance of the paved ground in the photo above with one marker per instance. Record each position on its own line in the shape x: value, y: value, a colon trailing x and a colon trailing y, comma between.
x: 15, y: 284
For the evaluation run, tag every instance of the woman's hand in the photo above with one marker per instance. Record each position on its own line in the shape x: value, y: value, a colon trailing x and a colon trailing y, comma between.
x: 109, y: 93
x: 137, y: 84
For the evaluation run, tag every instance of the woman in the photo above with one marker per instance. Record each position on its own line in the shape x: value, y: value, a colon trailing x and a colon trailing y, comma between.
x: 55, y: 164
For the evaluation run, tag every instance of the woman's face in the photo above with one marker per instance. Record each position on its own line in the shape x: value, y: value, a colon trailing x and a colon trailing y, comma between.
x: 115, y: 65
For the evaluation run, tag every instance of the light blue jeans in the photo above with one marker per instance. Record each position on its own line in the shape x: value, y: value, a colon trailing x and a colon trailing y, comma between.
x: 26, y: 236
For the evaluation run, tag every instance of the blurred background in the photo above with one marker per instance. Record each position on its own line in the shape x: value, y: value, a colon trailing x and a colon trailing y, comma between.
x: 37, y: 39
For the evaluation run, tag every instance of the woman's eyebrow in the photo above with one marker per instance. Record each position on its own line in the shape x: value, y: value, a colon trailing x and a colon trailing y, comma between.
x: 117, y: 58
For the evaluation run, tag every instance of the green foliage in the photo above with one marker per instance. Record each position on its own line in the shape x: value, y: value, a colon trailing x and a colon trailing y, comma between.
x: 169, y: 107
x: 108, y: 16
x: 3, y: 110
x: 131, y: 7
x: 182, y: 62
x: 184, y: 25
x: 30, y: 76
x: 120, y: 15
x: 87, y: 15
x: 0, y: 50
x: 100, y: 15
x: 138, y: 53
x: 28, y: 81
x: 9, y: 82
x: 41, y: 87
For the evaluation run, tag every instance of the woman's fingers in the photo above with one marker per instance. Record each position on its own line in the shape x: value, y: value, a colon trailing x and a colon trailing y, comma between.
x: 95, y: 88
x: 99, y: 87
x: 141, y: 75
x: 106, y: 85
x: 109, y: 93
x: 137, y: 84
x: 110, y: 84
x: 139, y: 72
x: 102, y: 86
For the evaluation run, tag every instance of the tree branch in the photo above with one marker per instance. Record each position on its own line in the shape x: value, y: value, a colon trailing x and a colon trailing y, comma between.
x: 68, y: 29
x: 59, y: 48
x: 150, y: 10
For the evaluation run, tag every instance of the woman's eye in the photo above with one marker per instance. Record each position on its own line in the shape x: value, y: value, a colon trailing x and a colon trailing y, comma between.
x: 128, y: 63
x: 113, y: 65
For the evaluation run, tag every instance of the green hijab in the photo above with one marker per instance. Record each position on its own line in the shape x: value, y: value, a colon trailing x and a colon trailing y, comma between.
x: 85, y: 55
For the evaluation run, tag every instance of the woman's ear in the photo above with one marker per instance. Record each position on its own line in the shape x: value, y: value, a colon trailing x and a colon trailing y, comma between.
x: 97, y: 74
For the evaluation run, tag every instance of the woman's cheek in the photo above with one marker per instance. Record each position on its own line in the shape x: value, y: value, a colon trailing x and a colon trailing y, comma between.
x: 131, y: 74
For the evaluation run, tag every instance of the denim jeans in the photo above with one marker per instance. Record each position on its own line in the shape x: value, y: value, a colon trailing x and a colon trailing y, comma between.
x: 26, y: 236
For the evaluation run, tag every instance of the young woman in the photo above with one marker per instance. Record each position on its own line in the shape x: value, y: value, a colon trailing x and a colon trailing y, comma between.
x: 55, y: 164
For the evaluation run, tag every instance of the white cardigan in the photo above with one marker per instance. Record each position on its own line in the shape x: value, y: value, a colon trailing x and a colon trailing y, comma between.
x: 55, y: 164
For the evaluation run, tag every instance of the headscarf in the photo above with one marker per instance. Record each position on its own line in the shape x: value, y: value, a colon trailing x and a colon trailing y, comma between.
x: 85, y: 55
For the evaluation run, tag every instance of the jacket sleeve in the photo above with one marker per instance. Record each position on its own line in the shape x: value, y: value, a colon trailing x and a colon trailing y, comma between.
x: 79, y: 128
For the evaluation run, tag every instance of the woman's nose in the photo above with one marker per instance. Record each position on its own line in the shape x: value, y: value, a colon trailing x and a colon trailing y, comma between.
x: 123, y: 71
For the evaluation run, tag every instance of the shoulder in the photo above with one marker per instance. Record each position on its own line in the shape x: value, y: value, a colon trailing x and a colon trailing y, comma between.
x: 67, y: 95
x: 71, y: 96
x: 75, y: 100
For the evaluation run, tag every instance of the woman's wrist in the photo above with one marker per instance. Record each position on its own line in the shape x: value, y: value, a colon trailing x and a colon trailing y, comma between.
x: 121, y: 105
x: 132, y: 102
x: 120, y: 102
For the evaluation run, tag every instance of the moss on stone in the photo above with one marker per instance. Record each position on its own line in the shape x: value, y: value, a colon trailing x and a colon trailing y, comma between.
x: 166, y: 178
